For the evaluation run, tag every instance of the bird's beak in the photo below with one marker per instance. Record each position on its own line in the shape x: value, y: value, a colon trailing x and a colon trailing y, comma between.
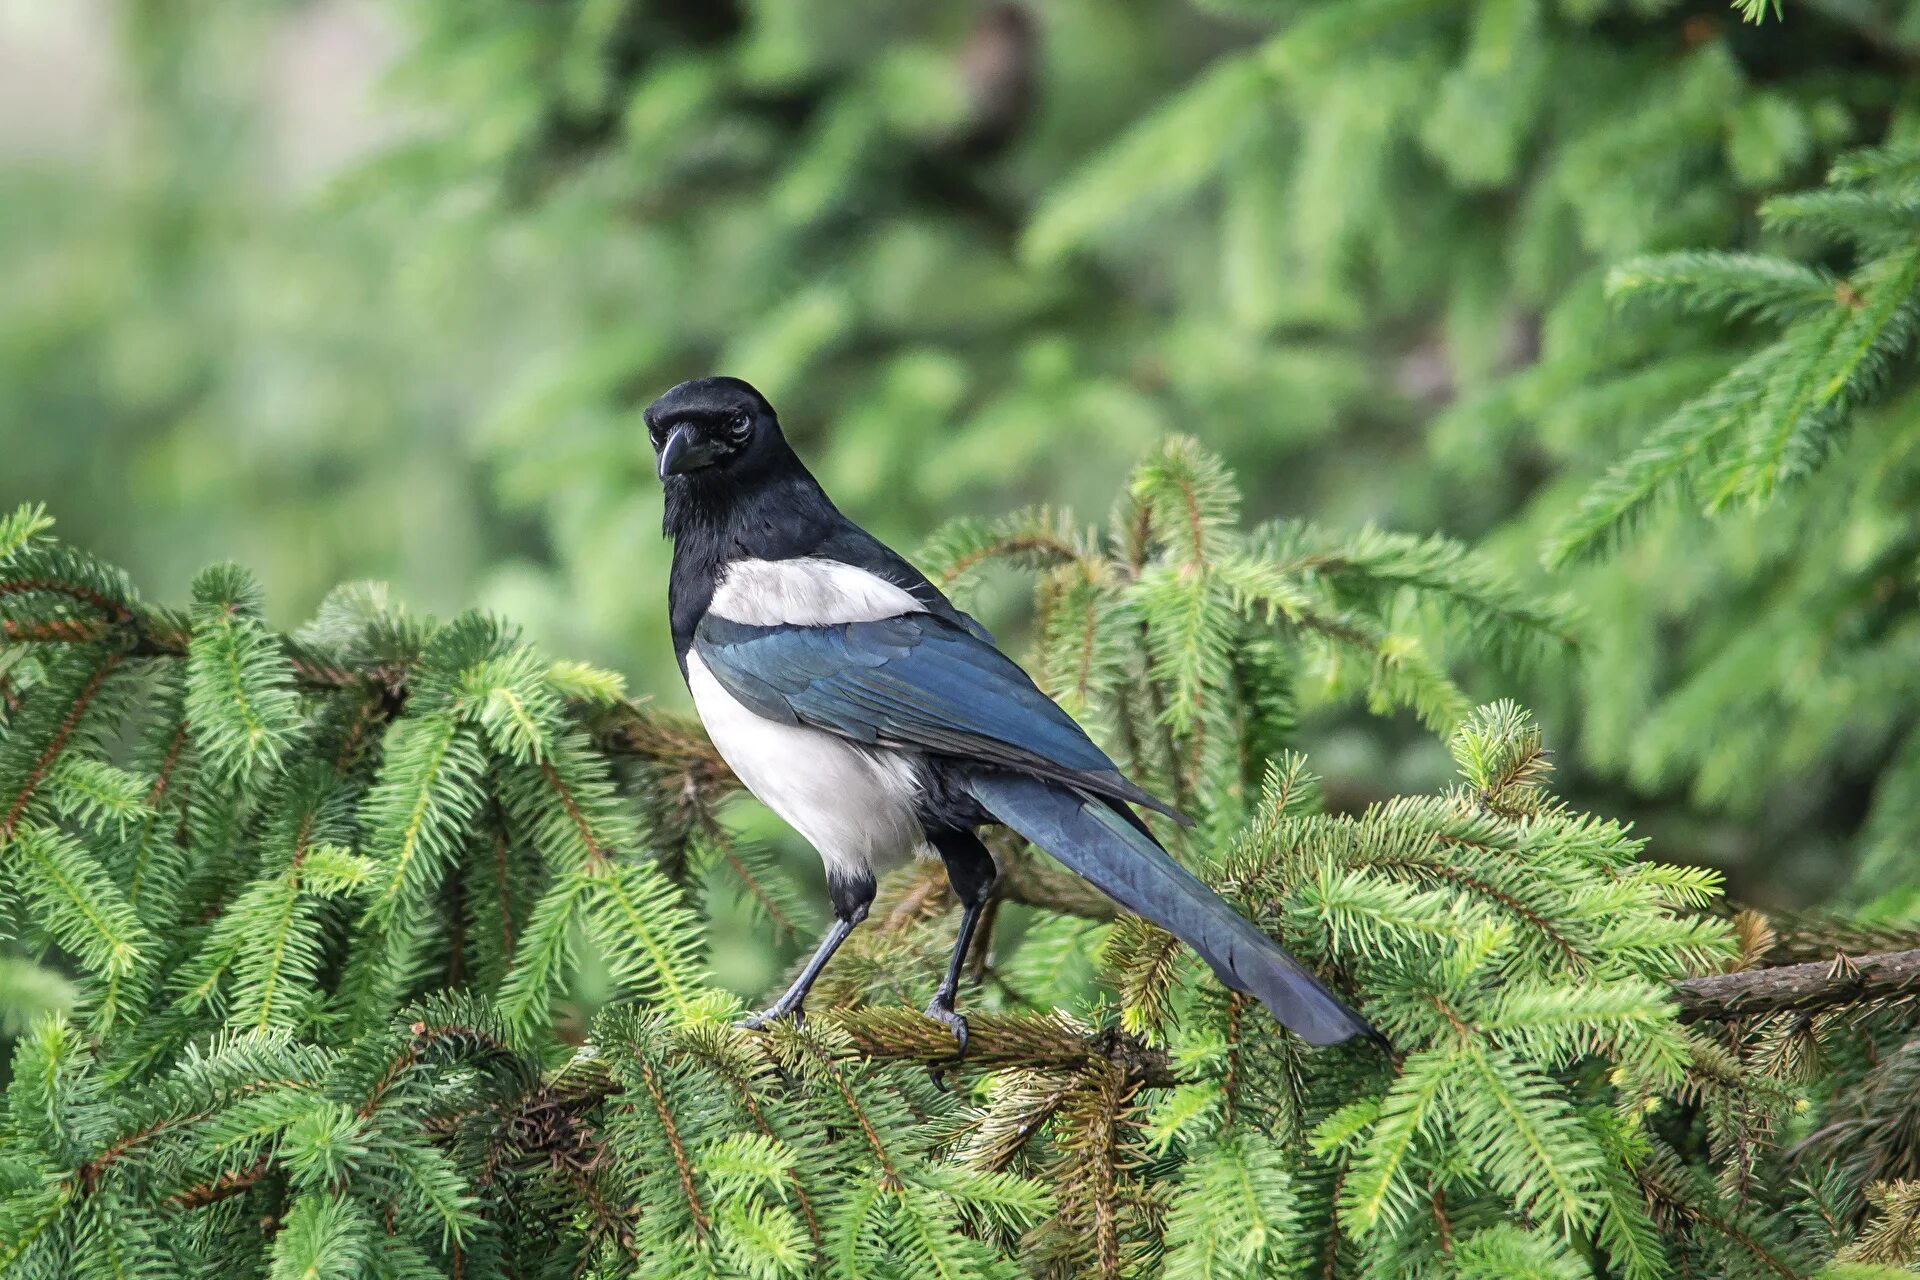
x: 685, y: 451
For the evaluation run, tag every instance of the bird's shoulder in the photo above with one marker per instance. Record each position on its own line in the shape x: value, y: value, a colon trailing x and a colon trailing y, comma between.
x: 791, y: 558
x: 838, y: 574
x: 849, y: 544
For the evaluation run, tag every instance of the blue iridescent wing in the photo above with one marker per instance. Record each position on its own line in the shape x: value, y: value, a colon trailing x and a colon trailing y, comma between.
x: 915, y: 682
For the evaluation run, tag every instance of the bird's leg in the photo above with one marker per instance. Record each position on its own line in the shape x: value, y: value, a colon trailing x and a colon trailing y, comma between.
x: 940, y: 1008
x: 792, y: 1002
x: 851, y: 896
x: 971, y: 872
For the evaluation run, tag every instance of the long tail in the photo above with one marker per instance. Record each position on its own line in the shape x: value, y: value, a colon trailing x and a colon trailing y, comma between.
x: 1130, y: 867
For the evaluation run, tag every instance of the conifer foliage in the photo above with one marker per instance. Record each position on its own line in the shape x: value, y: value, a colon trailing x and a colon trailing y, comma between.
x: 1776, y: 470
x: 321, y: 898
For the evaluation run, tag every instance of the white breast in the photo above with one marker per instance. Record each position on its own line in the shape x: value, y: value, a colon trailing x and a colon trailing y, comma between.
x: 853, y: 805
x: 806, y: 592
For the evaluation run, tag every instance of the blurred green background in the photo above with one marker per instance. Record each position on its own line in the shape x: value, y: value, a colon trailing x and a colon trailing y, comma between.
x: 377, y: 289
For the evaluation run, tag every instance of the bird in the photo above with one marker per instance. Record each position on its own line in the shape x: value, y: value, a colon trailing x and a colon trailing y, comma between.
x: 852, y: 697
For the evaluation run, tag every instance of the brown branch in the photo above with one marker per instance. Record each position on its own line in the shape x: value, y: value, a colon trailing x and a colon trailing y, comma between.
x: 672, y: 742
x: 53, y: 631
x: 502, y: 886
x: 165, y: 775
x: 1437, y: 1196
x: 1330, y: 1256
x: 1008, y: 546
x: 320, y: 673
x: 1039, y: 1042
x: 1034, y: 883
x: 232, y: 1183
x: 38, y: 773
x: 1799, y: 988
x: 1661, y: 1184
x: 565, y: 793
x: 72, y: 591
x: 423, y: 1037
x: 379, y: 704
x: 744, y: 1092
x: 238, y: 1181
x: 682, y: 1165
x: 889, y: 1176
x: 1466, y: 879
x: 776, y: 915
x: 151, y: 637
x: 1230, y: 1081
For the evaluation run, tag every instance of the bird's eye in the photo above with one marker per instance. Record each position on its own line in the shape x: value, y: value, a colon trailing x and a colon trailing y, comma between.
x: 739, y: 425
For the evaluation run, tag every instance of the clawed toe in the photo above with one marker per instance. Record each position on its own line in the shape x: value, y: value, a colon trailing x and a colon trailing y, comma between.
x: 943, y: 1012
x: 758, y: 1021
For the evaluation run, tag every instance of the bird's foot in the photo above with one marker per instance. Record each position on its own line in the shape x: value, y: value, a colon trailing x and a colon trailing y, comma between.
x: 758, y: 1021
x: 941, y: 1010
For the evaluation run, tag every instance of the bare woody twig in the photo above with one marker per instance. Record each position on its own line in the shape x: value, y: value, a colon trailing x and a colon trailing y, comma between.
x: 1034, y: 883
x: 1799, y: 988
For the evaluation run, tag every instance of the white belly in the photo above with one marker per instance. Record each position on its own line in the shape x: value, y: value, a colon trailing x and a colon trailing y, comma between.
x: 854, y: 806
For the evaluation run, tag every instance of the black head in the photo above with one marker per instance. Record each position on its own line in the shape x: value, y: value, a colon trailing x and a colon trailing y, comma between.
x: 714, y: 429
x: 732, y: 488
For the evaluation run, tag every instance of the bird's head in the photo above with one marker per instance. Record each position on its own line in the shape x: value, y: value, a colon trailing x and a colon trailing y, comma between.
x: 712, y: 430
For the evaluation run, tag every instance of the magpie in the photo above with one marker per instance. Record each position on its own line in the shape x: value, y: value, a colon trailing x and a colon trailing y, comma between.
x: 879, y: 721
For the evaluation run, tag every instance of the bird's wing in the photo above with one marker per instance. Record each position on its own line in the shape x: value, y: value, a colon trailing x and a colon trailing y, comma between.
x: 916, y: 682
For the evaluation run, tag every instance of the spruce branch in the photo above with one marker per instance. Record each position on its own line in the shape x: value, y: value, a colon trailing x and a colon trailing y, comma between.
x: 1776, y: 417
x: 76, y: 708
x: 233, y: 1183
x: 263, y: 894
x: 623, y: 727
x: 1041, y: 1042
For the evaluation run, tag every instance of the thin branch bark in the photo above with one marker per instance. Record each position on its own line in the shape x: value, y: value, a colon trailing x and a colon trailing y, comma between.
x: 228, y: 1185
x: 1034, y: 883
x: 1799, y: 988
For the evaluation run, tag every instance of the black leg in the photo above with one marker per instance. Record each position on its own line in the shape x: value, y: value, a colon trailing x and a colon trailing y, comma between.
x: 851, y: 897
x: 971, y: 872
